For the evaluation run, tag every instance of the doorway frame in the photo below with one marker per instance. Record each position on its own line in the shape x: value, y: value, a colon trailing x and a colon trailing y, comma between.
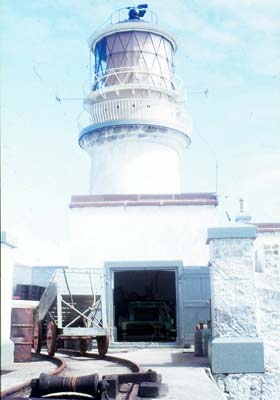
x: 119, y: 266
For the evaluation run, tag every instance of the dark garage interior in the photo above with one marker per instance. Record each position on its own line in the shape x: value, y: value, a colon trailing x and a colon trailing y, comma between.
x: 145, y: 306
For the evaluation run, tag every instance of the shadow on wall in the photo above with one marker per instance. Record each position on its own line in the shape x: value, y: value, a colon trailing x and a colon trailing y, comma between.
x: 29, y: 282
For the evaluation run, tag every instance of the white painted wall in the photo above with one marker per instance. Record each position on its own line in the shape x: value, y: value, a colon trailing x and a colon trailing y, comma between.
x: 41, y: 276
x: 33, y: 275
x: 7, y: 260
x: 100, y: 234
x: 22, y: 275
x: 134, y: 166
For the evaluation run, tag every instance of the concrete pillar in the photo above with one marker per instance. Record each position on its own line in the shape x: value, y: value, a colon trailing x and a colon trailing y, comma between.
x: 7, y: 262
x: 236, y: 347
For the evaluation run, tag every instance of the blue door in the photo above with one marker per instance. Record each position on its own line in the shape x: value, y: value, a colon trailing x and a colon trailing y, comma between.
x: 195, y: 300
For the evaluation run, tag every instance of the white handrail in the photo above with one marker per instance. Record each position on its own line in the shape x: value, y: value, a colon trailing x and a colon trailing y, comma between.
x: 118, y: 16
x: 131, y: 75
x: 124, y: 75
x: 138, y: 108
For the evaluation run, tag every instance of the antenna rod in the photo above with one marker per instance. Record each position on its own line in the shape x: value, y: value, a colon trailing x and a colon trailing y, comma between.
x: 228, y: 217
x: 217, y: 175
x: 241, y: 200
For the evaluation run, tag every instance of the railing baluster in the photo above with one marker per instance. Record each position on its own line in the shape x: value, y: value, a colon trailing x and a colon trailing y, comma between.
x: 119, y: 109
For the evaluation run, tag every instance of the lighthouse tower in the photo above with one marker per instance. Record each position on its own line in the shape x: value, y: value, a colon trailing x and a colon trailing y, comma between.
x: 139, y: 126
x: 136, y: 229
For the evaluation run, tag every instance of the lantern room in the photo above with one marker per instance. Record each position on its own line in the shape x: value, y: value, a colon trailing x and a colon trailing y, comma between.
x: 136, y: 56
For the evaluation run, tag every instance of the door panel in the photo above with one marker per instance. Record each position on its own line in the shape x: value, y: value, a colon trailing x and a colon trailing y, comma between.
x: 195, y: 302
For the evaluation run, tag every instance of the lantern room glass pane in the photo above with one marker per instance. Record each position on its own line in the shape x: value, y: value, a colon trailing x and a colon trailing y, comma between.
x: 143, y: 56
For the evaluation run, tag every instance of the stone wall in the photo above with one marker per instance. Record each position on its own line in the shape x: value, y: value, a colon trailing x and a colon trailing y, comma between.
x: 262, y: 386
x: 249, y: 386
x: 268, y: 300
x: 233, y: 288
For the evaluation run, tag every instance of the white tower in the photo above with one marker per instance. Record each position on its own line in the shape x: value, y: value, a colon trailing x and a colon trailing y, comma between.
x: 136, y: 223
x: 139, y: 126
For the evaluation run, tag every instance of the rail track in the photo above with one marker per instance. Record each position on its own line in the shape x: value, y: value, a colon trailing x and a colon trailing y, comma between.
x: 71, y: 364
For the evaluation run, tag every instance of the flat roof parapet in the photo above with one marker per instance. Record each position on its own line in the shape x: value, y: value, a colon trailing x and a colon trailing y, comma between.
x: 267, y: 226
x: 119, y: 200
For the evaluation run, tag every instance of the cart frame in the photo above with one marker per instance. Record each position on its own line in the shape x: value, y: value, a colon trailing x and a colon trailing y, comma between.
x: 74, y: 304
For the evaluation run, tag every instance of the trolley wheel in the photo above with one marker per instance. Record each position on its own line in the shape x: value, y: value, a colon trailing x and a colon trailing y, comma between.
x: 102, y: 344
x: 83, y: 346
x: 37, y: 337
x: 51, y: 338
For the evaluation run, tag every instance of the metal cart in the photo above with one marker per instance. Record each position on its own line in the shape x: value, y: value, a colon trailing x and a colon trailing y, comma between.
x: 72, y: 307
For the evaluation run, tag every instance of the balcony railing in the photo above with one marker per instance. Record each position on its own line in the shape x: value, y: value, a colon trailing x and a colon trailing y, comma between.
x: 132, y: 75
x: 144, y: 109
x: 121, y: 15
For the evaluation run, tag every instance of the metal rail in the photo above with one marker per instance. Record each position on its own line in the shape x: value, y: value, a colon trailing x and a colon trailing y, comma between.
x: 133, y: 74
x: 121, y: 15
x: 56, y: 360
x: 134, y: 367
x: 131, y: 395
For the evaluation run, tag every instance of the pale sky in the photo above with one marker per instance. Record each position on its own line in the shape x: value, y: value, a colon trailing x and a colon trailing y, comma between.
x: 229, y: 47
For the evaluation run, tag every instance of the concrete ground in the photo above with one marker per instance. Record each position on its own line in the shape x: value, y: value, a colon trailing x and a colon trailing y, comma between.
x: 23, y: 372
x: 184, y: 376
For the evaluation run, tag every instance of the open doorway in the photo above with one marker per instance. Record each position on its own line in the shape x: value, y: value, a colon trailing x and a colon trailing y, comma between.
x: 145, y: 305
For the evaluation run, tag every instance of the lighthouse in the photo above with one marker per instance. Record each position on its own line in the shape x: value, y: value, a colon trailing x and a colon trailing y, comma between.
x: 136, y: 229
x: 139, y: 127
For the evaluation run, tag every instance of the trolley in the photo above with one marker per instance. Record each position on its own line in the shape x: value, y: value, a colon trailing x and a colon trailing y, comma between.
x: 72, y: 307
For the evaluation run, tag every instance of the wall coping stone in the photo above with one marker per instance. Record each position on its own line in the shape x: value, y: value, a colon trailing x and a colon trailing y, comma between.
x: 232, y: 231
x: 134, y: 200
x: 267, y: 226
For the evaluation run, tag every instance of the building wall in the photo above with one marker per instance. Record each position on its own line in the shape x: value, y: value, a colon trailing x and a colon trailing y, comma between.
x: 22, y: 275
x: 8, y: 244
x: 100, y: 234
x: 143, y: 167
x: 147, y: 236
x: 41, y: 276
x: 268, y: 298
x: 32, y: 275
x: 262, y: 386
